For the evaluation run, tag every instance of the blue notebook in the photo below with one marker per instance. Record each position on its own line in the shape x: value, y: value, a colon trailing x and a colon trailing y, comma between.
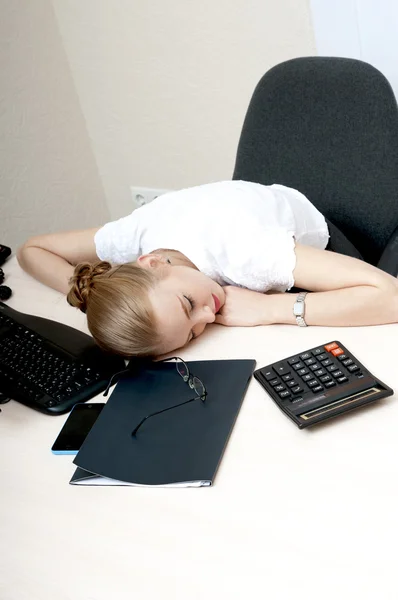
x: 182, y: 447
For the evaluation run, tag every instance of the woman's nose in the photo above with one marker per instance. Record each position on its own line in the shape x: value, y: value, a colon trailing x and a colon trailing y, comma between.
x: 207, y: 315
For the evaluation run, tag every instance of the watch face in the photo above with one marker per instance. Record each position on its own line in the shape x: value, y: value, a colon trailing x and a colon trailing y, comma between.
x: 298, y: 309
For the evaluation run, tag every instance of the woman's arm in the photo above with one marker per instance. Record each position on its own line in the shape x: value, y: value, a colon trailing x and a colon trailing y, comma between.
x: 51, y: 258
x: 346, y: 292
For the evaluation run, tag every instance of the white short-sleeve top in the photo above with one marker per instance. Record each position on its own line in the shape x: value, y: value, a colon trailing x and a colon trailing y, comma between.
x: 236, y: 232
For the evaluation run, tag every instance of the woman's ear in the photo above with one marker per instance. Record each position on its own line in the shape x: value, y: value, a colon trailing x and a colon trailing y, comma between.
x: 151, y: 261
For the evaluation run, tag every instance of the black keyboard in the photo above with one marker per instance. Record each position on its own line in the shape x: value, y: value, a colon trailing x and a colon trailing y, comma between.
x: 50, y: 366
x: 320, y: 383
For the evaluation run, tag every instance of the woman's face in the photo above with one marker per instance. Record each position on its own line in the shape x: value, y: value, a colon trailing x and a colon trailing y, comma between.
x: 184, y: 302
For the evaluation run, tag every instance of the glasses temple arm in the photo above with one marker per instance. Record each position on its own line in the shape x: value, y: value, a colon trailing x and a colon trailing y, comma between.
x: 159, y: 412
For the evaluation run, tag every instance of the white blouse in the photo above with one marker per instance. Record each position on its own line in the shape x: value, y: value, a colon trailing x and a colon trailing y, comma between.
x: 236, y: 232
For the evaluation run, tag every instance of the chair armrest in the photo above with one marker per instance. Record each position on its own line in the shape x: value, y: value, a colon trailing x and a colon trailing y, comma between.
x: 389, y: 259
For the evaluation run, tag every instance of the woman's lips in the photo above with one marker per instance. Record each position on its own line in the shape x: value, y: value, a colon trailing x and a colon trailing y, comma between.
x: 217, y: 303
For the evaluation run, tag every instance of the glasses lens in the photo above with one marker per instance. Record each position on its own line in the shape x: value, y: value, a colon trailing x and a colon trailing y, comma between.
x: 183, y: 370
x: 198, y: 386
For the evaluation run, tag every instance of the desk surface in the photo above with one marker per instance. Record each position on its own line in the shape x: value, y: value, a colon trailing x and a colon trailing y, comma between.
x: 293, y: 514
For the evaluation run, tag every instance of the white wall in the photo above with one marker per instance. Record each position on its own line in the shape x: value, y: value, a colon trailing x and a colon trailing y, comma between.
x: 363, y: 29
x: 164, y: 86
x: 48, y: 176
x: 98, y: 95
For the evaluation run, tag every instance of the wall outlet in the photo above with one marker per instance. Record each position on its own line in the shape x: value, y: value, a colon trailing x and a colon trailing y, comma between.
x: 142, y: 195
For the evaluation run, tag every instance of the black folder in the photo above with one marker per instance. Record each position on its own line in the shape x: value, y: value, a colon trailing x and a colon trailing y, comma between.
x: 181, y: 447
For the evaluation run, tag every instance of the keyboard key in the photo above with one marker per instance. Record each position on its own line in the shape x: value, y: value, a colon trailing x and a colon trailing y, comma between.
x: 332, y: 368
x: 305, y: 355
x: 347, y: 362
x: 275, y: 381
x: 285, y: 394
x: 342, y: 379
x: 353, y: 368
x: 325, y: 378
x: 322, y: 356
x: 343, y: 357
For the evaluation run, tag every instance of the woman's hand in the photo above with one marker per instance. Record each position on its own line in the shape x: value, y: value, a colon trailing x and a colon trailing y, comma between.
x: 243, y: 308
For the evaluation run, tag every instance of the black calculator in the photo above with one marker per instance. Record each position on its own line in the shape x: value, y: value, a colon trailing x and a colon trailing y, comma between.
x: 320, y: 383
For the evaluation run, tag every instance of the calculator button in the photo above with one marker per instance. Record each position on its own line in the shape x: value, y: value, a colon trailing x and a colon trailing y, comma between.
x: 268, y: 374
x: 287, y: 377
x: 298, y: 365
x: 315, y: 366
x: 279, y: 388
x: 285, y: 394
x: 291, y: 383
x: 337, y: 351
x: 348, y: 362
x: 343, y: 357
x: 310, y: 361
x: 275, y: 381
x: 281, y: 368
x: 302, y: 371
x: 294, y: 360
x: 320, y: 372
x: 307, y: 377
x: 317, y: 389
x: 312, y: 383
x: 353, y: 368
x: 325, y: 378
x: 297, y: 389
x: 322, y: 356
x: 305, y: 355
x: 342, y: 379
x: 330, y: 384
x: 337, y: 373
x: 327, y: 362
x: 317, y: 351
x: 330, y: 347
x: 332, y: 368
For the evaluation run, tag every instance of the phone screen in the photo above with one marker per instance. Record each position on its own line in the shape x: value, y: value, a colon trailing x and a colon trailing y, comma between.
x: 76, y: 428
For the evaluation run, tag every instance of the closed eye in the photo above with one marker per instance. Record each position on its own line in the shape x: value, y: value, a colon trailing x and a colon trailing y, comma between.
x: 191, y: 302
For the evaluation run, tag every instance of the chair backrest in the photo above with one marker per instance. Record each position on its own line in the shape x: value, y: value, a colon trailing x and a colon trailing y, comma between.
x: 329, y: 128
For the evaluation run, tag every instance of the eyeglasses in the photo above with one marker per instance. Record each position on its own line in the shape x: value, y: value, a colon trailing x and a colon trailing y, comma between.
x: 194, y: 383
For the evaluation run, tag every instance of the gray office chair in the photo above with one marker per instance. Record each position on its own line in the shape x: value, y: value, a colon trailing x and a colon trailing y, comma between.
x: 329, y: 128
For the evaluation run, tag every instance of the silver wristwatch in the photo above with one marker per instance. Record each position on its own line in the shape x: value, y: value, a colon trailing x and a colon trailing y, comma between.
x: 299, y: 309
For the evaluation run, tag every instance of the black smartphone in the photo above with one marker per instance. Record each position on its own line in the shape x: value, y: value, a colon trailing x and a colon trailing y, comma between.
x: 72, y: 435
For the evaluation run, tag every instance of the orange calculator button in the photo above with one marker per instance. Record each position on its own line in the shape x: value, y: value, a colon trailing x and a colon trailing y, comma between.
x: 330, y: 347
x: 337, y: 351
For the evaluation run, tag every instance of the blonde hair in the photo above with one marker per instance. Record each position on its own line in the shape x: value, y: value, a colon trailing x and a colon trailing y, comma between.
x: 115, y: 300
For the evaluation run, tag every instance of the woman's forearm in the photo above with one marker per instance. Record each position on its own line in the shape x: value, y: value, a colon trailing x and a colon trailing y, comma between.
x: 361, y: 305
x: 46, y: 267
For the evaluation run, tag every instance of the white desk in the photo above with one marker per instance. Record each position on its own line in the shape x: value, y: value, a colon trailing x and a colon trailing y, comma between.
x: 293, y: 514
